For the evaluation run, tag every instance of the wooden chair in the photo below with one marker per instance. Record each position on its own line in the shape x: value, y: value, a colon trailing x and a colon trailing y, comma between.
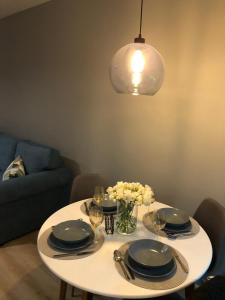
x: 211, y: 216
x: 84, y: 185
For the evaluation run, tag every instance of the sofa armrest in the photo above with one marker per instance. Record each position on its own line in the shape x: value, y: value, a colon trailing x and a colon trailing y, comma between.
x: 14, y: 189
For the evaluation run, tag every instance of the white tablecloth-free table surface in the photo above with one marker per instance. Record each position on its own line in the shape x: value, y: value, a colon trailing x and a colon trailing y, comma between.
x: 97, y: 273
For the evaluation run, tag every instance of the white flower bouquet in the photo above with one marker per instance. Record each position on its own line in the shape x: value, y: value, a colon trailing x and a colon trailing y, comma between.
x: 131, y: 192
x: 129, y: 195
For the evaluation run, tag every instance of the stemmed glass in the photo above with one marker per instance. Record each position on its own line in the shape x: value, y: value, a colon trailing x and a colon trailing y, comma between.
x: 99, y: 195
x: 96, y: 216
x: 159, y: 222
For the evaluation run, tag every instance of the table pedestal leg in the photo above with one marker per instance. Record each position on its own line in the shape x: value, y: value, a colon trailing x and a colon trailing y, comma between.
x: 87, y: 295
x: 63, y: 288
x: 189, y: 290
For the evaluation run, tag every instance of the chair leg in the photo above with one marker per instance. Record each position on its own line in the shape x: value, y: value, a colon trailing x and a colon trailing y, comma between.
x: 87, y: 295
x: 63, y: 288
x: 189, y: 291
x: 73, y: 292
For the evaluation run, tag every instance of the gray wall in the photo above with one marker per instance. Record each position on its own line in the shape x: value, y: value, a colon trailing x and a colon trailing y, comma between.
x: 54, y: 89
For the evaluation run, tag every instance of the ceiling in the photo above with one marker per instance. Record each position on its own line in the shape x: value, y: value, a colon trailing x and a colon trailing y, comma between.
x: 9, y: 7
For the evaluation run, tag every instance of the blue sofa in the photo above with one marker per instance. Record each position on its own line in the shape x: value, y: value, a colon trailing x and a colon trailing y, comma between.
x: 27, y: 201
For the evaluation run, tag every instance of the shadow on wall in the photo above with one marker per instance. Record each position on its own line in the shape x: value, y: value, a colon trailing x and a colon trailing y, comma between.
x: 83, y: 186
x: 72, y: 165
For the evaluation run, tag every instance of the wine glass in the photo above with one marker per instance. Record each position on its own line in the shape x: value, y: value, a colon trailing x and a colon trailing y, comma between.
x: 99, y: 195
x: 159, y: 222
x: 96, y: 216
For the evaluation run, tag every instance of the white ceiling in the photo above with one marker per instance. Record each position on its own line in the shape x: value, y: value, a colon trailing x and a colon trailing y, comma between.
x: 9, y: 7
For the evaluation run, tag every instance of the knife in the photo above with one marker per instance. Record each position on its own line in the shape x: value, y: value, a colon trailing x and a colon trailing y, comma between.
x: 72, y: 254
x: 117, y: 258
x: 125, y: 265
x: 183, y: 266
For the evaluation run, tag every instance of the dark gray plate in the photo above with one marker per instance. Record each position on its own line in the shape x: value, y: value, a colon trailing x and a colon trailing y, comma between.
x: 72, y: 231
x: 109, y: 207
x: 150, y: 253
x: 174, y: 217
x: 149, y: 273
x: 58, y: 245
x: 178, y: 229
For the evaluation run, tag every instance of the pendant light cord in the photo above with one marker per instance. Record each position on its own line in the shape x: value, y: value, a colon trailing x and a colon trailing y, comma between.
x: 140, y: 39
x: 141, y: 16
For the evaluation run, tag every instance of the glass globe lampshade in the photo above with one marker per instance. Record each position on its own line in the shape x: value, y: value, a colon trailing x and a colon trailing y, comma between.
x: 137, y: 69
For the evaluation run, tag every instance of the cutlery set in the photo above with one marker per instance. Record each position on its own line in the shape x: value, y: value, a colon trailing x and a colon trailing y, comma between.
x: 129, y: 274
x: 118, y: 257
x: 177, y: 222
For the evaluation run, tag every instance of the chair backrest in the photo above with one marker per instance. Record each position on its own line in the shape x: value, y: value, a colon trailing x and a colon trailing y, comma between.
x: 211, y: 216
x: 84, y: 185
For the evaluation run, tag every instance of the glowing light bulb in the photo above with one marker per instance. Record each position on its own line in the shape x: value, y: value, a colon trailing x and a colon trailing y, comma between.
x: 137, y: 62
x: 136, y: 79
x: 137, y: 67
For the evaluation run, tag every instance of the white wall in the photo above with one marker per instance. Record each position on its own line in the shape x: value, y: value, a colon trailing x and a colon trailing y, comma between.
x: 54, y: 89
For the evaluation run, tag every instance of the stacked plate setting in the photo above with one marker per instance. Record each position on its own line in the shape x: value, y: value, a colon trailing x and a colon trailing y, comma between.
x: 177, y: 221
x: 72, y: 235
x: 150, y: 259
x: 109, y: 207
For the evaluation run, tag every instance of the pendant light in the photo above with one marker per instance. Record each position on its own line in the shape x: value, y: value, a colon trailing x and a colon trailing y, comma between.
x: 137, y: 68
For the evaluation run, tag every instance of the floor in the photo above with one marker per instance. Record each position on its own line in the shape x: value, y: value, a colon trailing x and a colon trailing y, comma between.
x: 23, y: 275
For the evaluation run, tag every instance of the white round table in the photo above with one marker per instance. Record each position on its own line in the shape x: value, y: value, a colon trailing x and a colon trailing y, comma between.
x: 97, y: 273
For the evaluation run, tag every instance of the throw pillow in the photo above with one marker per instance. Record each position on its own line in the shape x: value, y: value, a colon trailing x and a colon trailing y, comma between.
x: 35, y: 158
x: 15, y: 169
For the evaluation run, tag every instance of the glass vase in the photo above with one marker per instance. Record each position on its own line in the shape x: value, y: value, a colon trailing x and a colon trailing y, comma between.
x: 126, y: 217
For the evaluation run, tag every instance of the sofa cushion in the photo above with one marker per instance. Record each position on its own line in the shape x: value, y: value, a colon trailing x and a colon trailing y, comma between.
x: 37, y: 157
x: 7, y: 150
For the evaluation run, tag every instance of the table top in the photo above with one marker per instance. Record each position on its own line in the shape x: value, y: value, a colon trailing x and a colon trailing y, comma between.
x: 97, y: 273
